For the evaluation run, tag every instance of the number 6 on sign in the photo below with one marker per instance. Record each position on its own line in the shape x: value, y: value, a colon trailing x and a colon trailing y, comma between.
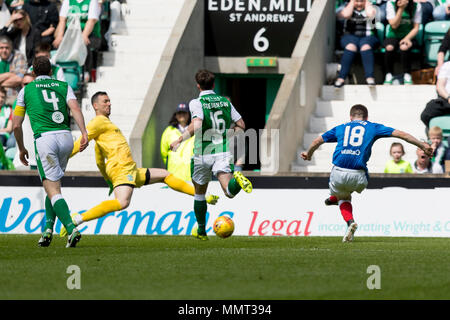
x: 260, y: 43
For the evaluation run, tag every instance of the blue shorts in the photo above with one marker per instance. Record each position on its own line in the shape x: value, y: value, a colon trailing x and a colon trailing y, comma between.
x: 372, y: 41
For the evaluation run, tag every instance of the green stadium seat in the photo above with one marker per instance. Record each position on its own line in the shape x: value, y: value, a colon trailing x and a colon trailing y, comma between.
x: 73, y: 74
x: 434, y: 33
x: 380, y: 32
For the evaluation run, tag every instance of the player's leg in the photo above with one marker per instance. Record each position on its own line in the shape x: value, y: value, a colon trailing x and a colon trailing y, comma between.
x: 164, y: 176
x: 201, y: 175
x: 200, y: 209
x: 156, y: 175
x: 357, y: 181
x: 61, y: 209
x: 345, y: 205
x: 341, y: 187
x: 122, y: 194
x: 231, y: 182
x: 50, y: 217
x: 331, y: 201
x: 53, y: 152
x: 124, y: 179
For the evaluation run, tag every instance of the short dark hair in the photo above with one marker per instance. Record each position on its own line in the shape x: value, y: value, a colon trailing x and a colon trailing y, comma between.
x: 359, y: 110
x: 94, y: 98
x: 42, y: 66
x: 3, y: 90
x: 43, y: 47
x: 205, y: 79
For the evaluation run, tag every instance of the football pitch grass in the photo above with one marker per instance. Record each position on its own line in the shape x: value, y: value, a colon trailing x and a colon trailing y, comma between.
x: 242, y: 268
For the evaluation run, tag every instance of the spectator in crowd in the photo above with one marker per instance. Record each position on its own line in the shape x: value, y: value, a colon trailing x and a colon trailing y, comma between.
x: 404, y: 17
x: 397, y: 164
x: 6, y: 136
x: 15, y: 4
x: 359, y: 36
x: 4, y: 13
x: 5, y: 162
x: 13, y: 66
x: 28, y: 139
x: 44, y: 18
x: 441, y: 10
x: 89, y: 13
x: 43, y: 50
x: 381, y: 10
x: 423, y: 164
x: 22, y: 34
x: 439, y: 150
x: 445, y: 45
x: 427, y: 7
x: 440, y: 106
x: 178, y: 162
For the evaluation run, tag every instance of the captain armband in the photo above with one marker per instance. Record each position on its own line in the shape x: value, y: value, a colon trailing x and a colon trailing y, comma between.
x: 19, y: 111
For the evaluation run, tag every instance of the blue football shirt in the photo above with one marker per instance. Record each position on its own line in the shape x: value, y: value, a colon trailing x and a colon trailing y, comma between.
x: 354, y: 142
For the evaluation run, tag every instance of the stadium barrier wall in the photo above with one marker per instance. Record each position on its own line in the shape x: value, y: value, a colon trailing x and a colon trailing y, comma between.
x: 278, y: 206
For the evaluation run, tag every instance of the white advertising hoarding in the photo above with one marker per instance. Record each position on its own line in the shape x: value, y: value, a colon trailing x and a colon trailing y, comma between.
x: 158, y: 210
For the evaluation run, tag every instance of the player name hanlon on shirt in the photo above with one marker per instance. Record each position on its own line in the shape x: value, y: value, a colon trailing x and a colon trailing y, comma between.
x: 47, y: 85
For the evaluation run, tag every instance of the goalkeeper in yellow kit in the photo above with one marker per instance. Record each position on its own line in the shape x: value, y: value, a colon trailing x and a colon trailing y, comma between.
x: 119, y: 171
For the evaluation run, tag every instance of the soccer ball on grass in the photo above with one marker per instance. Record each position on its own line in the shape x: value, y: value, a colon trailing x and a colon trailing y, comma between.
x: 223, y: 226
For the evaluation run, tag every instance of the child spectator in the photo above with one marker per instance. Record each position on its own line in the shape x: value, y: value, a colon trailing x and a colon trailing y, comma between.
x: 439, y: 150
x: 359, y: 35
x: 397, y: 164
x: 404, y: 17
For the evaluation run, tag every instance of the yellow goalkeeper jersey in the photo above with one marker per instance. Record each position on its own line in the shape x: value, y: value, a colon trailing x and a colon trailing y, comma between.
x: 111, y: 146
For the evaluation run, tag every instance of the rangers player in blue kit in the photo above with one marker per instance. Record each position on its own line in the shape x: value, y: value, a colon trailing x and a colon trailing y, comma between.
x: 354, y: 147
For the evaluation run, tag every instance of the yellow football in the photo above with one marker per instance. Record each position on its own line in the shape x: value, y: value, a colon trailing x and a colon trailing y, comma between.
x: 223, y: 226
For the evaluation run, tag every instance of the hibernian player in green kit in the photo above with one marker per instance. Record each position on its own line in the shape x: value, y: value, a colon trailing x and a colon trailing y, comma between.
x: 47, y: 103
x: 212, y: 119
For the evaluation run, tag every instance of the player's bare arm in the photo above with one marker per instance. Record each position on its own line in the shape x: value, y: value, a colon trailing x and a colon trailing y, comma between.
x: 18, y: 134
x: 239, y: 126
x: 313, y: 147
x: 409, y: 138
x: 79, y: 119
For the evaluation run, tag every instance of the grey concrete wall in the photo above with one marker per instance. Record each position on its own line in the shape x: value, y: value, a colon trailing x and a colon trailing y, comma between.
x: 301, y: 85
x: 173, y: 83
